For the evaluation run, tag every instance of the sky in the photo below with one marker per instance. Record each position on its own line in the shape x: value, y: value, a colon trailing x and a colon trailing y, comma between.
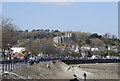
x: 92, y: 17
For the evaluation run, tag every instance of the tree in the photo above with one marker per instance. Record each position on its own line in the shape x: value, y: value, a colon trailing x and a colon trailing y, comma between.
x: 95, y: 35
x: 9, y: 34
x: 26, y: 30
x: 97, y: 42
x: 56, y: 30
x: 112, y: 53
x: 102, y: 53
x: 33, y: 30
x: 81, y: 37
x: 114, y: 37
x: 88, y: 41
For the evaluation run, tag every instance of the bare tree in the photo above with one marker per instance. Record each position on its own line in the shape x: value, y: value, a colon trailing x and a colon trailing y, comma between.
x: 9, y: 34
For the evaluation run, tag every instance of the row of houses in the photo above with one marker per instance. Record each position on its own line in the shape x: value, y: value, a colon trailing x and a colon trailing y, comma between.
x: 17, y: 52
x: 84, y: 50
x: 68, y: 37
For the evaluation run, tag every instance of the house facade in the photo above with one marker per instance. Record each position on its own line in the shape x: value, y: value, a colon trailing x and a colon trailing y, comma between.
x: 63, y: 39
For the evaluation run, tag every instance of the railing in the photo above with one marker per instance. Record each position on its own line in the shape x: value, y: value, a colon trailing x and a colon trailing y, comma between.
x: 8, y: 65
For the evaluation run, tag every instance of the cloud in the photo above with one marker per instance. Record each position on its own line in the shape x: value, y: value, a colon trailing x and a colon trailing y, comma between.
x: 39, y: 0
x: 62, y: 0
x: 77, y: 0
x: 63, y: 3
x: 58, y: 3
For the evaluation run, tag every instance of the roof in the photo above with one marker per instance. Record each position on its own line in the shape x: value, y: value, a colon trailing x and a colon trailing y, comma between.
x: 20, y: 55
x: 62, y: 47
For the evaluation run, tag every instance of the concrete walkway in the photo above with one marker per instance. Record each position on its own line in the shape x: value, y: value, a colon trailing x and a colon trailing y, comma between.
x: 79, y: 73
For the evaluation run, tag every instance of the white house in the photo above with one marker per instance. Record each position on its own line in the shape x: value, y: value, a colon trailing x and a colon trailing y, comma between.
x: 94, y: 49
x: 85, y: 47
x: 77, y: 49
x: 18, y: 49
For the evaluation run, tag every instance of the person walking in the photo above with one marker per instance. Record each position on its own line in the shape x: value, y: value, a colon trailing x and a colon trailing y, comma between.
x: 48, y: 65
x: 84, y: 76
x: 79, y: 66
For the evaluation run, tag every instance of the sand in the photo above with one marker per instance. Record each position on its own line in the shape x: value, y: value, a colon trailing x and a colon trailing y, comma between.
x: 59, y: 70
x: 100, y: 71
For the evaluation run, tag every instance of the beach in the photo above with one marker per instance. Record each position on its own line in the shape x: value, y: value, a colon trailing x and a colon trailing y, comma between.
x: 59, y: 70
x: 99, y: 70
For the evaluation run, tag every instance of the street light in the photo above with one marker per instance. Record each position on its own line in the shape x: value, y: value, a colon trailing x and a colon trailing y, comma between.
x: 10, y: 50
x: 3, y: 54
x: 107, y: 50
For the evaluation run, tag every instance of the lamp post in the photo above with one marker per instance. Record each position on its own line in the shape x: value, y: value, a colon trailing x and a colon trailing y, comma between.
x: 106, y: 50
x: 3, y: 54
x: 38, y: 46
x: 10, y: 51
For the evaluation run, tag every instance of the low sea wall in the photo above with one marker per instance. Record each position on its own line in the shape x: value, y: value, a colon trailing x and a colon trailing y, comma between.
x: 83, y: 61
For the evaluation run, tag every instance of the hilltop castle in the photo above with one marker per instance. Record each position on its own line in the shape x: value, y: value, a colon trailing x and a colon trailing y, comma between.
x: 68, y: 37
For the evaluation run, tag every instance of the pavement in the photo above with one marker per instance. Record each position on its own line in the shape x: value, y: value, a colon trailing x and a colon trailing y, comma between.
x: 100, y: 70
x: 79, y: 73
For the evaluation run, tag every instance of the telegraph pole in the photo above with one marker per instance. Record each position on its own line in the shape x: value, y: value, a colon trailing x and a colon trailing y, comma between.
x: 10, y: 51
x: 29, y: 45
x: 38, y: 46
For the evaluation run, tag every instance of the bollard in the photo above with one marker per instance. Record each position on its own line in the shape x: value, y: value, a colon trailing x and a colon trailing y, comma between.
x: 16, y: 64
x: 2, y: 66
x: 23, y: 63
x: 8, y: 62
x: 11, y: 64
x: 5, y: 65
x: 20, y: 63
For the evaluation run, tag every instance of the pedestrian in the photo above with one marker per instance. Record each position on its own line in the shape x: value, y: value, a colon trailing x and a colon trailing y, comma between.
x: 54, y: 62
x: 31, y: 62
x: 69, y: 68
x: 72, y: 68
x: 84, y: 76
x: 75, y: 75
x: 48, y: 65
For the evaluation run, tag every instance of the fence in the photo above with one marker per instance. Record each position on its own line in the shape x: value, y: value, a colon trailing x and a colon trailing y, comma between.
x: 83, y: 61
x: 8, y: 65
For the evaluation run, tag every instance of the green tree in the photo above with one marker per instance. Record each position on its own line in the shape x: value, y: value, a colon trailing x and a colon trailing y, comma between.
x: 102, y: 53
